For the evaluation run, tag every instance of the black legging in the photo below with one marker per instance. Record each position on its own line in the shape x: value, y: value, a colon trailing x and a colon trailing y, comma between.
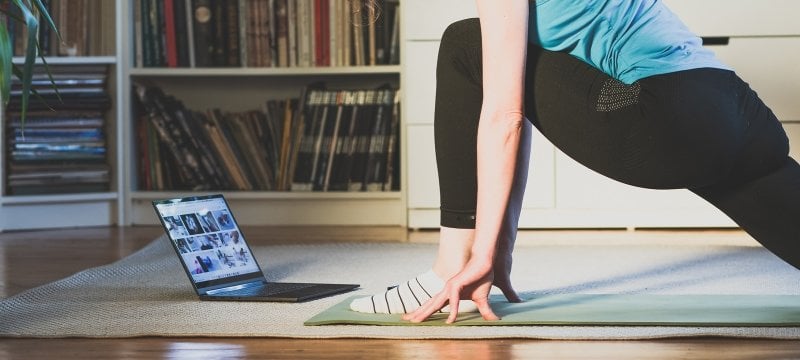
x: 702, y: 129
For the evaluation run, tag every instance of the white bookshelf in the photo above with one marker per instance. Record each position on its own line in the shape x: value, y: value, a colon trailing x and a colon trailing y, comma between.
x: 21, y: 212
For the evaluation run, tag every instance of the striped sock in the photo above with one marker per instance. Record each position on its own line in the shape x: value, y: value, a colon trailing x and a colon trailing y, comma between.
x: 407, y: 297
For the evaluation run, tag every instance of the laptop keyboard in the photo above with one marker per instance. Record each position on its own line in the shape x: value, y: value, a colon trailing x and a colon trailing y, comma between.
x: 267, y: 289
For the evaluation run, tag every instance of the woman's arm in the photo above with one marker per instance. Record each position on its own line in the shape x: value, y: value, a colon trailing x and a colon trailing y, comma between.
x: 504, y: 36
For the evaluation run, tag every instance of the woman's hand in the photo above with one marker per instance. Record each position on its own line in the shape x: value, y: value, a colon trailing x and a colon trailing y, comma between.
x: 474, y: 283
x: 502, y: 269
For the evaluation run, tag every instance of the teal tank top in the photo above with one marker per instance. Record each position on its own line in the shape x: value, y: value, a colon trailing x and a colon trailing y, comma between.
x: 626, y: 39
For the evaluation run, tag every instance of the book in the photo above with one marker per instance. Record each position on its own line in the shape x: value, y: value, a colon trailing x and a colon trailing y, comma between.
x: 182, y: 33
x: 203, y: 45
x: 219, y: 33
x: 243, y: 27
x: 170, y: 39
x: 232, y: 45
x: 282, y: 32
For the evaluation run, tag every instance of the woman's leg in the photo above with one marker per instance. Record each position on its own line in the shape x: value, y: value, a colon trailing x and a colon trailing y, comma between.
x: 702, y: 129
x: 762, y: 192
x: 459, y: 96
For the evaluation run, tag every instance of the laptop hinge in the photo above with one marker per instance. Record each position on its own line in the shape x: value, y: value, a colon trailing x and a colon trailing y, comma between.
x: 230, y: 286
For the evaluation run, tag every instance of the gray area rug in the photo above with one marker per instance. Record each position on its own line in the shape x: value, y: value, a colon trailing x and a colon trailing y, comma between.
x: 148, y: 294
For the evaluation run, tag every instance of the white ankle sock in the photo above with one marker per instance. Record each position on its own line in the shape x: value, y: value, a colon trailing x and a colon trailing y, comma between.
x: 407, y: 297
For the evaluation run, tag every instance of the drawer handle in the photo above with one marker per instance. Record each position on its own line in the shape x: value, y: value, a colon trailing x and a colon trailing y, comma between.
x: 716, y: 40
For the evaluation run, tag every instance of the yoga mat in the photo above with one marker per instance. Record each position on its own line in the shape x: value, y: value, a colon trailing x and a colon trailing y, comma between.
x: 603, y: 309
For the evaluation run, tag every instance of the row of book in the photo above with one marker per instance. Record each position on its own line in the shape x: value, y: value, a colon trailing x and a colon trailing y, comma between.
x: 61, y: 145
x: 87, y: 28
x: 325, y: 140
x: 265, y: 33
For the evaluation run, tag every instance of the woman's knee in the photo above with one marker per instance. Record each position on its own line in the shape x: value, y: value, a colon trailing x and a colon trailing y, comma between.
x: 460, y: 51
x: 466, y: 31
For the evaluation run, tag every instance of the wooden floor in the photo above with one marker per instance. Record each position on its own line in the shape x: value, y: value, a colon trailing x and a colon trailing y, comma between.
x: 29, y: 259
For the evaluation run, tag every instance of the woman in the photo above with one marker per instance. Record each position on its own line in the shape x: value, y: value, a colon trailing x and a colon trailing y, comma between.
x: 623, y: 87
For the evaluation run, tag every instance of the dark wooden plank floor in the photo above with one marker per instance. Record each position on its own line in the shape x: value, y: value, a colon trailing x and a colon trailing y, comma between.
x: 29, y: 259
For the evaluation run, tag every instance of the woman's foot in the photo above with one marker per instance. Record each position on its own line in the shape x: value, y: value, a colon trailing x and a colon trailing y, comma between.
x: 407, y: 297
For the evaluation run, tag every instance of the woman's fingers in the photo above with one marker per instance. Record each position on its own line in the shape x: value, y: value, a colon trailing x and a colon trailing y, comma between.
x: 454, y: 301
x: 427, y: 309
x: 486, y: 310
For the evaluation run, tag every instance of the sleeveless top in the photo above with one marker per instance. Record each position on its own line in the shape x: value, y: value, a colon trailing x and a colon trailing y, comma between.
x: 626, y: 39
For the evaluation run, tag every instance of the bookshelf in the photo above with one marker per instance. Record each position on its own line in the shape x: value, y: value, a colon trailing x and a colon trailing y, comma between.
x: 87, y: 207
x: 238, y: 89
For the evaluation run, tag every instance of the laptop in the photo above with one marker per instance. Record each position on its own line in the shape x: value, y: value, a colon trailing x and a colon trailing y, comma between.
x: 217, y: 259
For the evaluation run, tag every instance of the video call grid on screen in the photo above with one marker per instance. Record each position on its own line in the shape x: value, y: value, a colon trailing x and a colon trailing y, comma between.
x: 208, y: 239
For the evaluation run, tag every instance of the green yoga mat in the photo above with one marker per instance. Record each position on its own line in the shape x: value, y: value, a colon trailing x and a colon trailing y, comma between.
x: 605, y: 309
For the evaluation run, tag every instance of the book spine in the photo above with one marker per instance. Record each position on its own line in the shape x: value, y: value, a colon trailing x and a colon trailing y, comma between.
x: 255, y: 49
x: 337, y: 101
x: 189, y: 28
x: 273, y: 34
x: 392, y: 176
x: 318, y: 42
x: 394, y: 48
x: 170, y: 43
x: 333, y: 35
x: 232, y: 49
x: 219, y: 33
x: 244, y: 25
x: 203, y: 46
x: 371, y: 20
x: 282, y: 32
x: 358, y: 38
x: 138, y: 33
x: 375, y: 142
x: 302, y: 34
x: 292, y: 31
x: 363, y: 119
x: 181, y: 33
x: 159, y: 29
x: 347, y: 35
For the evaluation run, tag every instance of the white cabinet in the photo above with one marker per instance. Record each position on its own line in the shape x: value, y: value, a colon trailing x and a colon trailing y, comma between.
x: 763, y: 45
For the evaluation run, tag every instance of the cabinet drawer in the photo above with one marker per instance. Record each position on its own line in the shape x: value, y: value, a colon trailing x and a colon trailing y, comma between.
x: 793, y: 132
x: 771, y: 65
x: 738, y: 17
x: 423, y: 179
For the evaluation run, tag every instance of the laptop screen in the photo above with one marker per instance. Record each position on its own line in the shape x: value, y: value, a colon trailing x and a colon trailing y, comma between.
x: 207, y: 239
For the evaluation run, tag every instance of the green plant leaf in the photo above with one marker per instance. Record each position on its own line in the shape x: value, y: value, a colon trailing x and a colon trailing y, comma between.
x: 43, y: 11
x: 30, y: 55
x: 49, y: 74
x: 6, y: 54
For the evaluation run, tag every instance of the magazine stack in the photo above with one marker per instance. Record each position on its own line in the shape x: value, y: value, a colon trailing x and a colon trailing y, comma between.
x: 60, y: 146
